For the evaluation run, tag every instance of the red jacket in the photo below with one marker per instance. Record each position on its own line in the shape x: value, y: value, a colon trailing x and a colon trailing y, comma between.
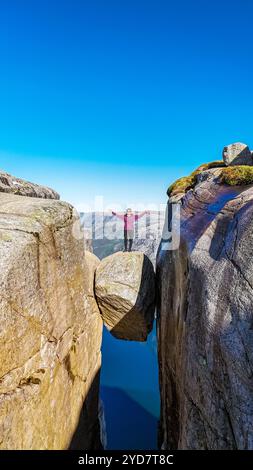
x: 129, y: 220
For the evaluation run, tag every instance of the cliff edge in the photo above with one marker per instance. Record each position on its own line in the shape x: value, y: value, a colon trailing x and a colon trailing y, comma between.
x: 51, y: 328
x: 205, y: 317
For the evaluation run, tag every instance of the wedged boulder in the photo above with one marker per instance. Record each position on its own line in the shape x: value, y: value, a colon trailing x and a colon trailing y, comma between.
x: 237, y: 154
x: 51, y: 329
x: 13, y: 185
x: 125, y: 292
x: 205, y: 318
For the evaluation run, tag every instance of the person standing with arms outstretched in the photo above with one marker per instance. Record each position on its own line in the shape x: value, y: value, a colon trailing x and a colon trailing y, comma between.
x: 129, y: 219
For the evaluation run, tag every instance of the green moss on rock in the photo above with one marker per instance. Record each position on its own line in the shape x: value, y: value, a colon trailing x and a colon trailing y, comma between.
x: 184, y: 184
x: 233, y: 175
x: 237, y: 175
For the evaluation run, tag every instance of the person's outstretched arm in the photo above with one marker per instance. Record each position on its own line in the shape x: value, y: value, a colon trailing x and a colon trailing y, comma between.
x: 118, y: 215
x: 138, y: 216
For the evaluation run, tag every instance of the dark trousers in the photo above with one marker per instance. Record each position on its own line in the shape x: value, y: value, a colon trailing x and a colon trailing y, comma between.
x: 128, y: 239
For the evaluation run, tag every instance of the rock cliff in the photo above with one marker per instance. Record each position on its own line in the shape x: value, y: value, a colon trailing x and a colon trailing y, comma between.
x: 51, y: 319
x: 125, y: 292
x: 13, y: 185
x: 205, y: 317
x: 50, y: 326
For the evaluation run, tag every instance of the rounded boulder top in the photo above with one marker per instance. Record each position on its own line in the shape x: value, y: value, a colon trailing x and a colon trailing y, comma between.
x: 125, y: 292
x: 237, y: 154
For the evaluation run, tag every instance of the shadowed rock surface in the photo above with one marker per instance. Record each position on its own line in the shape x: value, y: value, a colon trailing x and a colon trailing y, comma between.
x: 125, y: 292
x: 13, y: 185
x: 205, y: 320
x: 93, y: 262
x: 51, y: 329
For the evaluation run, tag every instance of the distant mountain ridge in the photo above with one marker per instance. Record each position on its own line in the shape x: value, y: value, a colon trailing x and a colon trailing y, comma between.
x: 148, y: 232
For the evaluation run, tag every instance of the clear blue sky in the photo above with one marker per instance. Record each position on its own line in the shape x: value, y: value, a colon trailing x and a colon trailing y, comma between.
x: 118, y: 98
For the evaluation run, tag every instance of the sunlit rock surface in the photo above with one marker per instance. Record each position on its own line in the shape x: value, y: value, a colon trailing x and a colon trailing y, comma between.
x: 50, y: 332
x: 125, y: 292
x: 205, y: 318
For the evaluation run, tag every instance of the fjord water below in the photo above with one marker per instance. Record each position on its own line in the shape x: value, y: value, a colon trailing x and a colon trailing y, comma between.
x: 130, y: 392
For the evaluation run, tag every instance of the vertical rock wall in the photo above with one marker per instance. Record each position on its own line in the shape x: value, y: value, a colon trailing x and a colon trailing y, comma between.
x: 205, y: 318
x: 50, y: 329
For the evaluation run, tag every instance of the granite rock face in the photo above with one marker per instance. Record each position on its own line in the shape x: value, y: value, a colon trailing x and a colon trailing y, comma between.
x: 50, y: 329
x: 125, y: 292
x: 205, y: 318
x: 13, y: 185
x: 237, y: 154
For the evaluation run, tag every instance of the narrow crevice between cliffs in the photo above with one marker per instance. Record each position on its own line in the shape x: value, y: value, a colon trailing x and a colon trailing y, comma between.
x: 125, y: 294
x: 129, y: 391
